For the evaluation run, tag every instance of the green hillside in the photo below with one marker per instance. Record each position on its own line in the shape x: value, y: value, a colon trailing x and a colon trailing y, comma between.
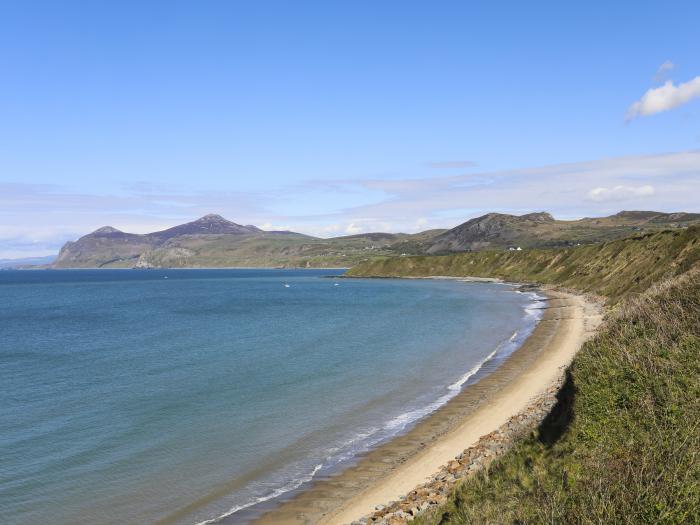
x: 212, y: 241
x: 261, y: 249
x: 630, y: 449
x: 611, y: 269
x: 623, y: 443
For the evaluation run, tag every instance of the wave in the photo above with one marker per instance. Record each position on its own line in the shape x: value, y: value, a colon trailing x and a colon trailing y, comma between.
x: 534, y: 309
x: 367, y: 439
x: 292, y: 485
x: 403, y: 420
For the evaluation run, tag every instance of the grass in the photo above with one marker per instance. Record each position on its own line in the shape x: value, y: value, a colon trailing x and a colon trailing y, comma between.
x: 631, y: 451
x: 612, y: 269
x: 623, y: 443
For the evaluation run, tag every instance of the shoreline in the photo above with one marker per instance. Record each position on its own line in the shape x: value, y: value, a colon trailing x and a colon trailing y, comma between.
x: 188, y: 268
x: 387, y: 473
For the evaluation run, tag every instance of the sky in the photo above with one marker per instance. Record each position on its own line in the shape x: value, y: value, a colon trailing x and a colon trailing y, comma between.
x: 334, y: 118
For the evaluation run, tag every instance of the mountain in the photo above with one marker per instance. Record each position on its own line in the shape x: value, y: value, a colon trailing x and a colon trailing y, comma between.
x: 488, y: 230
x: 27, y: 262
x: 102, y: 247
x: 499, y: 231
x: 181, y: 245
x: 207, y: 225
x: 213, y: 241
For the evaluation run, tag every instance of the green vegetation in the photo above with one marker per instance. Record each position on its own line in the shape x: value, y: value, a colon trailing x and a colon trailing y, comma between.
x: 541, y: 230
x: 631, y: 453
x: 612, y: 269
x: 256, y: 250
x: 213, y: 241
x: 623, y: 443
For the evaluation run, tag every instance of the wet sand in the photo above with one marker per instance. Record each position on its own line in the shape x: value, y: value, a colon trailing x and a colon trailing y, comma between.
x: 398, y: 466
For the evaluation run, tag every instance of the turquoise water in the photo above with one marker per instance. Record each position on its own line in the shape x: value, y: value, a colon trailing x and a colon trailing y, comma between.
x: 133, y: 396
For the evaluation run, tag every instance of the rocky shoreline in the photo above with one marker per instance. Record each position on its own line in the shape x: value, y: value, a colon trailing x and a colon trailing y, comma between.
x: 492, y: 414
x: 490, y: 446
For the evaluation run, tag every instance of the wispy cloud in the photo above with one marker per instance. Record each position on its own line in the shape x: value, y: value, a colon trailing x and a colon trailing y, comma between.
x: 37, y: 219
x: 667, y: 182
x: 664, y: 98
x: 663, y: 71
x: 620, y: 193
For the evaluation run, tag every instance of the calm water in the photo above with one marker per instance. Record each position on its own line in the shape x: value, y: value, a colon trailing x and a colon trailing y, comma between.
x: 132, y: 396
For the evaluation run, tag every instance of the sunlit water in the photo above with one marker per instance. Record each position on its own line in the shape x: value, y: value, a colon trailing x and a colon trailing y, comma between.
x: 132, y: 396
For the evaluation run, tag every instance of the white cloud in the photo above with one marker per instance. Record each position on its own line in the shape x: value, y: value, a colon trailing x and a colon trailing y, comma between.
x: 35, y: 220
x: 663, y: 71
x: 620, y: 193
x: 353, y: 229
x: 664, y: 98
x: 330, y: 228
x: 421, y: 223
x: 269, y: 226
x: 562, y: 189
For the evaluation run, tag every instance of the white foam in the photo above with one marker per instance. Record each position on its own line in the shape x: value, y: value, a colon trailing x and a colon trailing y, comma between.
x: 292, y: 485
x: 457, y: 385
x: 374, y: 435
x: 349, y: 448
x: 403, y: 420
x: 534, y: 309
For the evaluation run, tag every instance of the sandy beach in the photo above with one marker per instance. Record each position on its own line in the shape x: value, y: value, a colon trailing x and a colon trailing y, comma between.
x: 397, y: 467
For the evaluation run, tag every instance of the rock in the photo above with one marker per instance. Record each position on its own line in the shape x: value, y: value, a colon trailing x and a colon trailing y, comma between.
x: 436, y: 491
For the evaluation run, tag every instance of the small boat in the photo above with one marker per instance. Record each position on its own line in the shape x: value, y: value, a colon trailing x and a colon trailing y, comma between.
x: 286, y: 285
x: 336, y: 284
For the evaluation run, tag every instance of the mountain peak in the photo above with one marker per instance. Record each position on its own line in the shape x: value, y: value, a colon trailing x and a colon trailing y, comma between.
x: 540, y: 216
x: 211, y: 224
x: 490, y: 229
x: 106, y: 230
x: 212, y: 217
x: 637, y: 214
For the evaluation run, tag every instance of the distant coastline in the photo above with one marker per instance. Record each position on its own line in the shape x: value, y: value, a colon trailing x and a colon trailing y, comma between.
x: 215, y: 242
x: 187, y: 268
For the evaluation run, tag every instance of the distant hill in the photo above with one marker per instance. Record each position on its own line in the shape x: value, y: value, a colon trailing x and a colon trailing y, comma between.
x: 213, y: 241
x: 27, y: 262
x: 207, y: 225
x: 498, y: 230
x: 629, y: 404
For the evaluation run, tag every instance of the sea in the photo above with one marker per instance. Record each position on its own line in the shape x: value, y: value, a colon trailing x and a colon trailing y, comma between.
x: 185, y: 396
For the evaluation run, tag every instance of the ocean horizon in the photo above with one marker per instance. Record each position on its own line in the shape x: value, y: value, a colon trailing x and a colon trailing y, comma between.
x: 186, y: 396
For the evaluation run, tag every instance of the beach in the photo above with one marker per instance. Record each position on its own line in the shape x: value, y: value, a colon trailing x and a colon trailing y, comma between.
x: 397, y: 467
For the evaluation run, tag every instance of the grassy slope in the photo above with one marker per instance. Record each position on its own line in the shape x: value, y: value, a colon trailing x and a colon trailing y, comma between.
x: 623, y: 445
x: 612, y: 269
x: 499, y: 231
x: 263, y: 249
x: 631, y: 453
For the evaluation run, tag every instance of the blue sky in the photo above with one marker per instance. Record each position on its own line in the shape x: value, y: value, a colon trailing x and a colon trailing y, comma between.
x: 341, y: 117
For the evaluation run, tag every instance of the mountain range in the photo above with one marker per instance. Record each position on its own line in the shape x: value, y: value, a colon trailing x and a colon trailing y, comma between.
x: 26, y: 262
x: 213, y: 241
